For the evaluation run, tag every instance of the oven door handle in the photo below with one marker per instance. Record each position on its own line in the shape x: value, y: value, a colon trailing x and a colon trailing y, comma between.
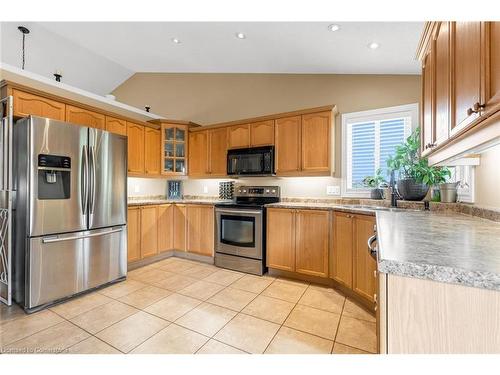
x: 241, y: 212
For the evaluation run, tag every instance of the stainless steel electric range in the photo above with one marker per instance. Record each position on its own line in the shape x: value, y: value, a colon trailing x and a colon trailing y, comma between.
x: 240, y: 229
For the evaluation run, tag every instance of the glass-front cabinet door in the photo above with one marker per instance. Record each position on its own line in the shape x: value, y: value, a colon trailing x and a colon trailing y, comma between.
x: 174, y: 149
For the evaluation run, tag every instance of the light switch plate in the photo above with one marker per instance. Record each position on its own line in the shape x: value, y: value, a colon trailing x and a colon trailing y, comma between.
x: 332, y: 190
x: 136, y: 188
x: 205, y: 189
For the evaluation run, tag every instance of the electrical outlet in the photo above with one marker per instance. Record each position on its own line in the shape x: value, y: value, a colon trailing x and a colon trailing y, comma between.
x: 332, y: 190
x: 205, y: 189
x: 136, y: 188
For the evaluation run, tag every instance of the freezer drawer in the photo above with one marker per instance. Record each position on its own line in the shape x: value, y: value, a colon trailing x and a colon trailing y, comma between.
x: 64, y: 265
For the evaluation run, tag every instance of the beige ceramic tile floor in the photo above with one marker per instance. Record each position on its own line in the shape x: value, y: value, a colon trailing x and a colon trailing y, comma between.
x: 181, y: 306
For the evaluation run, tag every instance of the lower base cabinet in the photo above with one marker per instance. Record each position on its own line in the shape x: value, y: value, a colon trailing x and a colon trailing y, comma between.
x: 200, y: 229
x: 155, y: 229
x: 134, y: 234
x: 179, y: 227
x: 298, y: 240
x: 149, y: 231
x: 165, y: 227
x: 350, y: 262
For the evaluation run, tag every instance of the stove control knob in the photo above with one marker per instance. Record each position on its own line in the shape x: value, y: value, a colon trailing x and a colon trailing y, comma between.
x: 274, y: 191
x: 244, y: 191
x: 267, y: 190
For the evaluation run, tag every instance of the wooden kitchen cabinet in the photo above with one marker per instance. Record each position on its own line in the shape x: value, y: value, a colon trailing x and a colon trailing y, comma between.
x: 179, y: 215
x: 427, y: 116
x: 281, y: 239
x: 492, y: 71
x: 116, y: 125
x: 262, y: 133
x: 200, y: 229
x: 152, y: 139
x: 217, y: 150
x: 315, y: 142
x: 312, y: 228
x: 149, y: 231
x: 198, y: 153
x: 80, y: 116
x: 364, y: 266
x: 460, y: 87
x: 466, y: 57
x: 135, y: 134
x: 442, y: 79
x: 350, y: 262
x: 133, y: 234
x: 298, y: 240
x: 238, y: 136
x: 165, y: 227
x: 174, y: 149
x: 342, y: 252
x: 287, y: 142
x: 26, y: 104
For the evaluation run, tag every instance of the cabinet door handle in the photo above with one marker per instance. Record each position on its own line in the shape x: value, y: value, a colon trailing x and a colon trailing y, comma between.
x: 476, y: 108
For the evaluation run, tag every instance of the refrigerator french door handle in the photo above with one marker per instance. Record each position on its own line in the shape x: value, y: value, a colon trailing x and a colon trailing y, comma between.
x: 73, y: 238
x: 84, y: 180
x: 92, y: 179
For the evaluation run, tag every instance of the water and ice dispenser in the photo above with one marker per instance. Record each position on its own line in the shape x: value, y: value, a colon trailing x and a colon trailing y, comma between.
x: 54, y: 177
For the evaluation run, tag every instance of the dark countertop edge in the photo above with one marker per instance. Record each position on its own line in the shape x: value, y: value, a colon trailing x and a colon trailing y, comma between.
x: 443, y: 274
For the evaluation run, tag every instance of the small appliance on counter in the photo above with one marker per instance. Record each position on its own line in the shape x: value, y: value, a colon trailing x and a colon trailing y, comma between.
x: 174, y: 189
x: 226, y: 190
x: 240, y: 229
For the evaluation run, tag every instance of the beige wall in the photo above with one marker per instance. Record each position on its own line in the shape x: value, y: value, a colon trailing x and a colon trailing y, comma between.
x: 212, y: 98
x: 488, y: 178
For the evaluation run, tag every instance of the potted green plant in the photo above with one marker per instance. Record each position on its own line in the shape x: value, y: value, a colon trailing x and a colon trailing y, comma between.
x: 374, y: 183
x: 415, y: 174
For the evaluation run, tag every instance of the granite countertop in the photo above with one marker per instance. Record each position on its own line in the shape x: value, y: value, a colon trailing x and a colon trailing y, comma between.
x: 441, y: 246
x: 354, y: 208
x: 154, y: 201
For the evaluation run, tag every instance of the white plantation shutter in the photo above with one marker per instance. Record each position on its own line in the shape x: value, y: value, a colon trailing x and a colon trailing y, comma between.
x: 370, y: 138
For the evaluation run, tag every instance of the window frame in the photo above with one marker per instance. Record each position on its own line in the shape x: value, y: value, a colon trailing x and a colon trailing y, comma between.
x: 367, y: 116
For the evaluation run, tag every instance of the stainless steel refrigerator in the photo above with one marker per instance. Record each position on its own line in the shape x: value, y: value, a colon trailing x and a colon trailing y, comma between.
x: 70, y: 210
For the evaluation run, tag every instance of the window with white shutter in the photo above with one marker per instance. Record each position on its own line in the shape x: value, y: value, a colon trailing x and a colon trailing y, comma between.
x: 369, y: 138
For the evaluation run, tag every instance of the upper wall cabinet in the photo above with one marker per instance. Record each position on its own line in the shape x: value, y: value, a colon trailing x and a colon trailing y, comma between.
x: 460, y: 87
x: 26, y: 104
x: 492, y: 75
x: 116, y: 125
x: 262, y: 133
x: 152, y: 154
x: 316, y: 142
x: 84, y: 117
x: 135, y: 148
x: 239, y: 136
x: 466, y: 88
x: 303, y: 144
x: 256, y: 134
x: 174, y: 143
x: 208, y: 153
x: 302, y: 141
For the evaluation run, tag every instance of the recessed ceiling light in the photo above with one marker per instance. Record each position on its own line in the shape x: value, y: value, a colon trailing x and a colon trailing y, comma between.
x: 334, y: 27
x: 373, y: 45
x: 240, y: 36
x: 176, y: 41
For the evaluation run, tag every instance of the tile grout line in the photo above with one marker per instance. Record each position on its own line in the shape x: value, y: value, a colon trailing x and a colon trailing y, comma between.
x: 338, y: 325
x: 282, y: 324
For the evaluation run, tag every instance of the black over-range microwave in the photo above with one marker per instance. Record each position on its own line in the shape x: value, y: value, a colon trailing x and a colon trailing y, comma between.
x: 255, y: 161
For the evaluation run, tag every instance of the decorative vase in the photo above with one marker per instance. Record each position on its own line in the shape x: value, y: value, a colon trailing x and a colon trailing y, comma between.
x: 410, y: 190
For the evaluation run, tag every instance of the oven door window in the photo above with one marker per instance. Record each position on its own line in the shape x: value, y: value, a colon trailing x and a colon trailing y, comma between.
x: 237, y: 230
x: 248, y: 164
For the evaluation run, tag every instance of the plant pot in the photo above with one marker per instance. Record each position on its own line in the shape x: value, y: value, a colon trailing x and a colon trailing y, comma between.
x: 410, y: 190
x: 448, y: 192
x: 376, y: 193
